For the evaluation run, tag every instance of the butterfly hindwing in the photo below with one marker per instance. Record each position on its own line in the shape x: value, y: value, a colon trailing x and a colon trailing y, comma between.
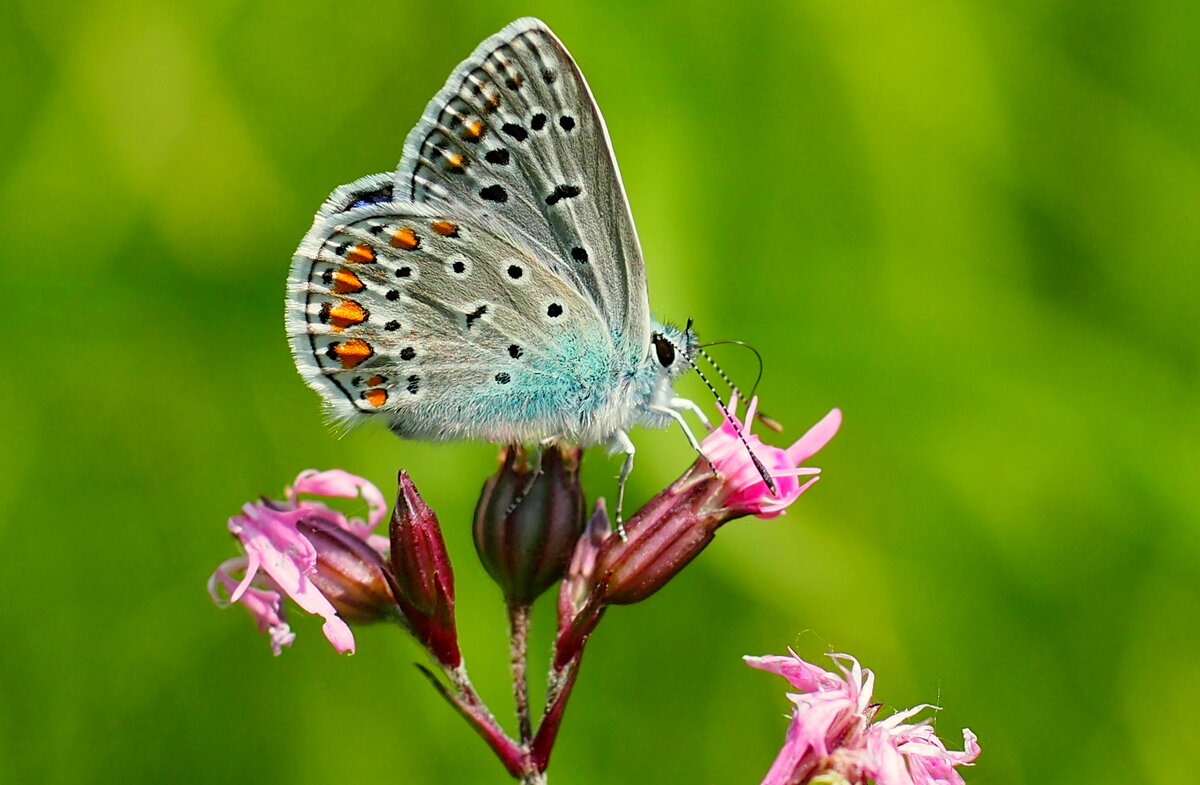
x: 516, y: 136
x: 440, y: 322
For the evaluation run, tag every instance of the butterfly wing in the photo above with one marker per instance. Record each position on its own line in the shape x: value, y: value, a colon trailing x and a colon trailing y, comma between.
x: 442, y: 323
x: 516, y: 136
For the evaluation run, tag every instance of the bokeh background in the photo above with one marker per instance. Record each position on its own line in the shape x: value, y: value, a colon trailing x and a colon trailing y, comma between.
x: 973, y: 226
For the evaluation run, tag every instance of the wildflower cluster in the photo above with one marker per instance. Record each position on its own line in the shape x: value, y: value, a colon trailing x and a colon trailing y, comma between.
x: 530, y: 533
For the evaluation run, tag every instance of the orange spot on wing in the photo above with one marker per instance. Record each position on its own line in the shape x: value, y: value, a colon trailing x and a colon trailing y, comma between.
x: 445, y: 228
x: 352, y: 353
x: 346, y: 282
x: 473, y: 130
x: 345, y: 314
x: 375, y: 381
x: 454, y: 161
x: 360, y: 254
x: 375, y: 397
x: 405, y: 238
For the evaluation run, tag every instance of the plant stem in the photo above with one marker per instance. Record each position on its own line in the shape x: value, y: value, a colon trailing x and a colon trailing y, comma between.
x: 464, y: 698
x: 518, y: 627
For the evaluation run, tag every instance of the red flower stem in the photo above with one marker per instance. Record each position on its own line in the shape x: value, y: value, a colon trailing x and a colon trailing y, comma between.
x: 518, y: 628
x: 467, y: 702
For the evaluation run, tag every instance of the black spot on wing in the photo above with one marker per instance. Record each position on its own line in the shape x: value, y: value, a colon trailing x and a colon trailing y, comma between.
x: 517, y: 132
x: 494, y: 193
x: 474, y: 315
x: 563, y: 192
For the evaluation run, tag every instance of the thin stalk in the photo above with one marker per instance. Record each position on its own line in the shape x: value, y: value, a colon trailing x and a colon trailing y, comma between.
x: 518, y: 627
x: 464, y: 698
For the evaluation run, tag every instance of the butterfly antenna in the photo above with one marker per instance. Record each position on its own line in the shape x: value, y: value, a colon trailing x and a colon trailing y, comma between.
x: 762, y: 417
x: 737, y: 428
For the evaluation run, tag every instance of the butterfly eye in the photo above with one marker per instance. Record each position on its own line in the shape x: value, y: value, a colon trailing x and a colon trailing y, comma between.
x: 665, y: 350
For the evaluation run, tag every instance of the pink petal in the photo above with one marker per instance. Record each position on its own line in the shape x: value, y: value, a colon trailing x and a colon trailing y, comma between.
x: 222, y: 578
x: 884, y: 762
x: 970, y: 750
x: 273, y: 545
x: 802, y: 675
x: 344, y: 485
x: 816, y: 437
x: 294, y: 582
x: 264, y: 605
x: 337, y: 632
x: 795, y: 746
x: 750, y: 410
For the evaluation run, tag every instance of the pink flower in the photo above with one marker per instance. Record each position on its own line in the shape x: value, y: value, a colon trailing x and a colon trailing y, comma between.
x: 678, y: 523
x: 328, y: 564
x: 833, y: 732
x: 744, y: 488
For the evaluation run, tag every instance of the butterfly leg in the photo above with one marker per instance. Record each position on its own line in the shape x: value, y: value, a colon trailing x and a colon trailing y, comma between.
x: 536, y: 462
x: 687, y: 431
x: 684, y: 404
x: 622, y: 442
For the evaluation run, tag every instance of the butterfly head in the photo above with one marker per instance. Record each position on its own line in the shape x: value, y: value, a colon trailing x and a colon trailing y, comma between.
x: 673, y: 350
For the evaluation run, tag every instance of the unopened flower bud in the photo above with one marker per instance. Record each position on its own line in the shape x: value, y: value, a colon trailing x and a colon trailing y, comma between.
x: 424, y: 578
x: 527, y: 525
x: 349, y: 572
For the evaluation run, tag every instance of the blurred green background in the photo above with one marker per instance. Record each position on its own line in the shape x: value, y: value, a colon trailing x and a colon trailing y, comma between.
x: 972, y: 226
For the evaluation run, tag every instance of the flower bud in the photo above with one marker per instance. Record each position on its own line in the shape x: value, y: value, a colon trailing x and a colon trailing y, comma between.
x: 349, y: 572
x: 661, y: 538
x: 424, y: 578
x: 526, y: 543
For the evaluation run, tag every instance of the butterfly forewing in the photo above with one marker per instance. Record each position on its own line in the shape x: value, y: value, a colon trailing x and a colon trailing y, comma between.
x: 440, y: 322
x: 516, y: 137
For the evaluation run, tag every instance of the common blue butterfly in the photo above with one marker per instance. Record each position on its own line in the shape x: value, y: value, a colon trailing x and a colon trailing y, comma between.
x: 492, y: 287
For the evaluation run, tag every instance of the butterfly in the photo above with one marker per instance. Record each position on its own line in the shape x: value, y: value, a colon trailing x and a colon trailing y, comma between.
x: 492, y: 287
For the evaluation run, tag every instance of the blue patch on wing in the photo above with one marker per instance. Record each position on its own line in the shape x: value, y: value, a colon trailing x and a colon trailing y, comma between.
x: 364, y: 198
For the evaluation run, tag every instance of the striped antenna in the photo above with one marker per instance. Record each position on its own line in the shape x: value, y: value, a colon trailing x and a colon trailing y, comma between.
x: 762, y: 470
x: 760, y: 416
